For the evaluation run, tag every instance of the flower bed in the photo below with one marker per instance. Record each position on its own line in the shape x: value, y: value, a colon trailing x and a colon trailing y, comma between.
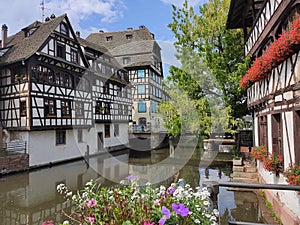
x: 279, y: 50
x: 131, y: 204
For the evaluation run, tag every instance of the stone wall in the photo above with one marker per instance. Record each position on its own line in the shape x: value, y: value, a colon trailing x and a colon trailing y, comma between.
x: 14, y: 163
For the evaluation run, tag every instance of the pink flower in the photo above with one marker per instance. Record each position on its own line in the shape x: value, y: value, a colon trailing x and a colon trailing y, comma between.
x: 92, y: 203
x: 148, y: 223
x: 49, y: 222
x: 91, y: 219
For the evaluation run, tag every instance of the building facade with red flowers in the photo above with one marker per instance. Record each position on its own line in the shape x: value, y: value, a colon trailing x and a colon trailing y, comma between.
x: 272, y: 40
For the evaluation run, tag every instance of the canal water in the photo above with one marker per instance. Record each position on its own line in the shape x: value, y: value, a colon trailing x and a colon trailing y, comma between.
x: 30, y: 198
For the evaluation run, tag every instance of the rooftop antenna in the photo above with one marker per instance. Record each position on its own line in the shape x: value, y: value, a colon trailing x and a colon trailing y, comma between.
x: 42, y: 4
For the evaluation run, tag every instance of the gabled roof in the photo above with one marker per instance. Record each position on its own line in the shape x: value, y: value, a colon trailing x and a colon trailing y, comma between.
x: 22, y: 47
x: 243, y: 13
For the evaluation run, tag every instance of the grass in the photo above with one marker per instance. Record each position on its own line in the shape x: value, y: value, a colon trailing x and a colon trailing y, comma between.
x: 270, y: 207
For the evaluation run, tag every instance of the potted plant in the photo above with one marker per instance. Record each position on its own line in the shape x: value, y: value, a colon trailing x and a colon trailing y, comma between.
x: 237, y: 157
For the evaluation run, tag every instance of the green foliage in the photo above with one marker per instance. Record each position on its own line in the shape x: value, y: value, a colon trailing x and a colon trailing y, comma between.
x: 202, y: 39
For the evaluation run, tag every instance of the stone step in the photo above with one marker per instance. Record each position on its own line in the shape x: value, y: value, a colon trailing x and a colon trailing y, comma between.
x: 245, y: 180
x: 247, y: 169
x: 252, y: 175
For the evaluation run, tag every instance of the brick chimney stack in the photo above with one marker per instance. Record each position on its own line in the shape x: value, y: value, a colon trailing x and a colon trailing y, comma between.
x: 4, y: 35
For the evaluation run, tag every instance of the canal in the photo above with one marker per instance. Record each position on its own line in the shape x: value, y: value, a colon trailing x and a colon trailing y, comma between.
x: 29, y: 198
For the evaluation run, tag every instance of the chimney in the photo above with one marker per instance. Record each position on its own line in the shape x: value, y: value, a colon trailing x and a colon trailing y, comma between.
x: 78, y: 34
x: 4, y: 35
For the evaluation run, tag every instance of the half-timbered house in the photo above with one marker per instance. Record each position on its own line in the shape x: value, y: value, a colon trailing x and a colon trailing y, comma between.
x: 272, y: 85
x: 62, y: 99
x: 111, y: 93
x: 138, y: 52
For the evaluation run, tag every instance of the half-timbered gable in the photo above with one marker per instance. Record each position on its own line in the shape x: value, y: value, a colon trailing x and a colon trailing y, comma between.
x: 48, y: 74
x: 138, y: 52
x: 273, y: 84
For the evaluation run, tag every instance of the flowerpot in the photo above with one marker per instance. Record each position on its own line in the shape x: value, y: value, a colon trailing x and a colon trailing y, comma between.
x: 237, y: 162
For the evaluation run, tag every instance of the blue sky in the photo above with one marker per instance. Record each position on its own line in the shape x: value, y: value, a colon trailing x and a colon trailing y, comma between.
x: 89, y: 16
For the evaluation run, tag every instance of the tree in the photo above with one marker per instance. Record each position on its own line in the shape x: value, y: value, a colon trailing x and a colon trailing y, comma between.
x: 203, y: 38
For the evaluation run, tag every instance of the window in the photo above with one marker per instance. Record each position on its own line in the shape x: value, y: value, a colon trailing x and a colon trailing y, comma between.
x: 107, y: 130
x: 79, y: 109
x: 109, y: 38
x: 107, y: 108
x: 65, y: 108
x: 23, y: 111
x: 154, y: 106
x: 41, y: 73
x: 128, y: 36
x: 141, y: 73
x: 61, y: 50
x: 106, y: 88
x: 99, y: 109
x: 64, y: 80
x: 142, y: 107
x: 263, y: 130
x: 116, y: 130
x: 50, y: 109
x: 277, y: 134
x: 141, y: 89
x: 80, y: 135
x: 64, y: 29
x: 126, y: 60
x: 74, y: 56
x: 60, y: 137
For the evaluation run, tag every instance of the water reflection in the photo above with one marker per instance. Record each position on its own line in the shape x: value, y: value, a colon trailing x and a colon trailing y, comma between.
x: 30, y: 198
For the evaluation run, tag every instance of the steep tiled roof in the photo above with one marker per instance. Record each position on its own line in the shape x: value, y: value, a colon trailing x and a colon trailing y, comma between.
x: 140, y: 41
x: 22, y: 47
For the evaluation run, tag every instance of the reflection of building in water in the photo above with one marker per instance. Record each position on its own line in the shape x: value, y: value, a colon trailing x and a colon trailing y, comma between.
x: 31, y: 198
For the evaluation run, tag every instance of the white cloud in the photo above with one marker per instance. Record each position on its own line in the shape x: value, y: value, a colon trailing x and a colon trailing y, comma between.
x: 22, y: 13
x: 179, y: 3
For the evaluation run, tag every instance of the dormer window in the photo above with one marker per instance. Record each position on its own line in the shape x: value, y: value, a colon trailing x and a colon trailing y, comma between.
x: 128, y: 36
x: 109, y: 38
x: 30, y: 31
x: 64, y: 29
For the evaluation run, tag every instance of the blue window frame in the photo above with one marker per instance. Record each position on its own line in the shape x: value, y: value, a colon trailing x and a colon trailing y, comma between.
x: 142, y: 107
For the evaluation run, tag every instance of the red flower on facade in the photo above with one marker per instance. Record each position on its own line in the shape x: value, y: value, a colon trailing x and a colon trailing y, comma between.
x: 279, y: 50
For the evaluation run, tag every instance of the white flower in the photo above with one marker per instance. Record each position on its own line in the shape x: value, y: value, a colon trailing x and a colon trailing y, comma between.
x: 197, y: 221
x: 66, y: 222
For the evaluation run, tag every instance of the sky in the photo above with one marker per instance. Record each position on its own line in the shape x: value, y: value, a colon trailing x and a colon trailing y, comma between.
x: 89, y: 16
